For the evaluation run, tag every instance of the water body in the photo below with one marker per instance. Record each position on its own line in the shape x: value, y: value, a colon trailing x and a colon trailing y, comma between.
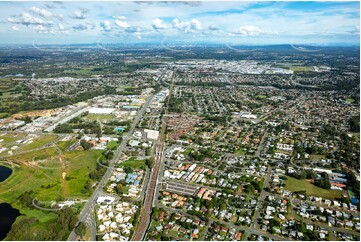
x: 5, y: 172
x: 8, y: 216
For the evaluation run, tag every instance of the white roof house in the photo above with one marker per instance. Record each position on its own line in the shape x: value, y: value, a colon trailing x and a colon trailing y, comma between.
x: 151, y: 134
x: 101, y: 228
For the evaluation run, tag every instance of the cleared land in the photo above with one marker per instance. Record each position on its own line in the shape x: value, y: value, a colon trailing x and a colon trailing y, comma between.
x: 294, y: 185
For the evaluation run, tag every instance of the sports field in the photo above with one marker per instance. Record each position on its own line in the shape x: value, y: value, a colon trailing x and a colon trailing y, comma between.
x: 294, y: 185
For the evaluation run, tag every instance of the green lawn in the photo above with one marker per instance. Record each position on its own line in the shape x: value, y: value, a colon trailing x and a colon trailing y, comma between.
x: 301, y: 68
x: 112, y: 144
x: 294, y: 185
x: 261, y: 96
x: 100, y: 117
x: 350, y: 100
x: 133, y: 163
x: 187, y: 151
x: 318, y: 157
x: 240, y: 152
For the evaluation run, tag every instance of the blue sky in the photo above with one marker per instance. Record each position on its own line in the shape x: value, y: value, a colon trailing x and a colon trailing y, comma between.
x: 233, y: 22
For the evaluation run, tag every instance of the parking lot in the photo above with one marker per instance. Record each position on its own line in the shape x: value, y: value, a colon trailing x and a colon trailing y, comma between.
x: 180, y: 188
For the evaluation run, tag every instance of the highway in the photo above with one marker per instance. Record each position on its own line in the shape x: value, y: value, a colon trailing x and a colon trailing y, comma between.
x: 89, y: 206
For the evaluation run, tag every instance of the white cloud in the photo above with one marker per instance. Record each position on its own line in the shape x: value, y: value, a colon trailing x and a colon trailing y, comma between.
x: 45, y: 13
x: 79, y: 14
x: 355, y: 30
x: 158, y: 24
x: 61, y: 27
x: 213, y: 27
x: 41, y: 29
x: 179, y: 25
x: 251, y: 30
x: 15, y: 28
x: 136, y: 30
x: 106, y: 25
x: 120, y: 17
x: 196, y: 25
x: 28, y: 19
x: 187, y: 26
x: 122, y: 24
x: 80, y: 27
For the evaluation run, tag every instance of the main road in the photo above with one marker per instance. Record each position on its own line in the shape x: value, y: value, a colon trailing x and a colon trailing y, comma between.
x: 85, y: 214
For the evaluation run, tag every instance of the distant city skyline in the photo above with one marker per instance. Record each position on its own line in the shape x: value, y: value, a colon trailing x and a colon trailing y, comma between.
x: 236, y: 22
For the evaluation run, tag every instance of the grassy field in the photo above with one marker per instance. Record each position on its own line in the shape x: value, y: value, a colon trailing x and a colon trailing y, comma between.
x: 8, y: 140
x: 301, y: 68
x: 85, y: 72
x: 318, y: 157
x: 44, y: 178
x: 26, y: 178
x: 64, y: 145
x: 11, y: 138
x: 350, y: 100
x: 261, y: 96
x: 133, y: 163
x: 294, y: 185
x: 187, y: 151
x: 100, y: 117
x: 112, y: 144
x: 38, y: 154
x: 240, y: 152
x: 38, y: 142
x: 79, y: 165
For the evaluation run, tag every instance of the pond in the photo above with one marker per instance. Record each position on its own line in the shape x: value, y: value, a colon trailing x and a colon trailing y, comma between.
x: 8, y: 216
x: 5, y: 172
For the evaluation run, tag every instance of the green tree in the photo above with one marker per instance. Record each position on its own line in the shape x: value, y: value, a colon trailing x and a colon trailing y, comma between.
x: 86, y: 145
x: 323, y: 183
x: 80, y: 229
x: 150, y: 162
x: 119, y: 188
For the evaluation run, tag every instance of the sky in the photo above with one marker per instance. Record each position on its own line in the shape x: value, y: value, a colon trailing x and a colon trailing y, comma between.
x: 168, y: 22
